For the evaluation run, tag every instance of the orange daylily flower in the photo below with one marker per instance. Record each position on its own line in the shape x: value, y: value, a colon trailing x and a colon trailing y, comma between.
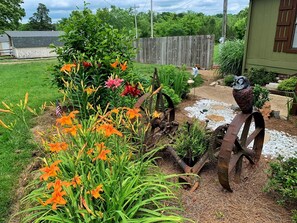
x: 67, y: 119
x: 89, y: 90
x: 72, y: 130
x: 57, y: 198
x: 58, y: 146
x: 67, y: 67
x: 50, y: 171
x: 124, y: 66
x: 76, y: 181
x: 90, y: 151
x: 102, y: 152
x: 58, y: 184
x: 108, y: 129
x: 115, y: 64
x: 133, y: 113
x: 96, y: 192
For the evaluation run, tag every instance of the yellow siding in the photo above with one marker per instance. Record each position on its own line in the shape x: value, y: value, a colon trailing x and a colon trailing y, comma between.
x: 260, y: 41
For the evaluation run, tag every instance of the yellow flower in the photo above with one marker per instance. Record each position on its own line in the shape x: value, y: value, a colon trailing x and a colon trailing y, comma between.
x: 156, y: 114
x: 89, y: 90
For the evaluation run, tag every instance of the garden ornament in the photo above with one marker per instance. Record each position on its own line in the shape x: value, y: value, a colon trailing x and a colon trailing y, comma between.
x: 243, y: 94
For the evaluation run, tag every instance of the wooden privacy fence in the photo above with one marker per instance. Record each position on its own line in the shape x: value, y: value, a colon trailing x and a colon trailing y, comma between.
x: 177, y: 50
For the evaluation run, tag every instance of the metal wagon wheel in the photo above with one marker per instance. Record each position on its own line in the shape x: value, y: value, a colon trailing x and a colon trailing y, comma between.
x: 243, y: 139
x: 158, y: 112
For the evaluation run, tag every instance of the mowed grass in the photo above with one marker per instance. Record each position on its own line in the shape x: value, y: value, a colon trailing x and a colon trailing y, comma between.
x: 16, y: 147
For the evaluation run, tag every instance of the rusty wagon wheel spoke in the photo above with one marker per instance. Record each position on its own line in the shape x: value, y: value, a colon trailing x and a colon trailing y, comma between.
x: 157, y: 110
x: 243, y: 140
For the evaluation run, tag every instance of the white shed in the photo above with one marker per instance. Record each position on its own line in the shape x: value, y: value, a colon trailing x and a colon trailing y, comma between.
x: 33, y: 44
x: 5, y: 49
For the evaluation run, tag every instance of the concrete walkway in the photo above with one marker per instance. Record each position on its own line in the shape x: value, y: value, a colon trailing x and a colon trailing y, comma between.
x: 224, y: 94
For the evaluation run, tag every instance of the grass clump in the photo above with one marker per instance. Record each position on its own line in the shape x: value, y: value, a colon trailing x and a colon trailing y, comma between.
x: 231, y: 57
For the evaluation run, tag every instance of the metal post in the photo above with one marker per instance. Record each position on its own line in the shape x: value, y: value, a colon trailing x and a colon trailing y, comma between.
x: 152, y: 22
x: 224, y: 28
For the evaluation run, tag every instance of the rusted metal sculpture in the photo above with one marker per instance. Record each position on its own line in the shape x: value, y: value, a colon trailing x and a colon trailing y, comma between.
x: 159, y: 112
x: 242, y: 140
x: 229, y: 144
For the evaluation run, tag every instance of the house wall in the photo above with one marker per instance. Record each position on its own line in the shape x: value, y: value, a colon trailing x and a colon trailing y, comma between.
x: 260, y: 40
x: 36, y: 52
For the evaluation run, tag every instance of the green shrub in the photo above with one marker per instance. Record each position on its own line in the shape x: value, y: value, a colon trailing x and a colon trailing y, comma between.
x: 260, y: 76
x: 283, y: 179
x: 231, y: 57
x: 91, y: 46
x: 288, y: 84
x: 228, y: 80
x: 196, y: 142
x: 294, y: 217
x: 175, y: 78
x: 170, y: 92
x: 261, y: 95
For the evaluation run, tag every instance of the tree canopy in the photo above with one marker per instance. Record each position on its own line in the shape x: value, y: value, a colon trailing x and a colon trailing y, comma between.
x: 10, y: 14
x: 172, y: 24
x: 40, y: 19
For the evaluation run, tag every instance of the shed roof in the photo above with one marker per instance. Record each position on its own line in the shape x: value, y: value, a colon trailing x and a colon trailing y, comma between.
x: 34, y: 33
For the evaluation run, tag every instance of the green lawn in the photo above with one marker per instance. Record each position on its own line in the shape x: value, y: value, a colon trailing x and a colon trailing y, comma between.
x: 15, y: 147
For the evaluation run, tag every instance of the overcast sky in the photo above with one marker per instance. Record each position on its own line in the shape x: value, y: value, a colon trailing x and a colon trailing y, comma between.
x: 62, y: 8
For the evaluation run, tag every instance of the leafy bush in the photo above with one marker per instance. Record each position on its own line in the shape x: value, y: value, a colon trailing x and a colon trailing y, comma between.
x: 196, y: 142
x: 261, y: 95
x: 283, y: 179
x: 170, y: 92
x: 228, y: 80
x: 94, y: 173
x: 288, y: 84
x: 260, y: 76
x: 175, y: 78
x: 231, y: 57
x: 94, y: 51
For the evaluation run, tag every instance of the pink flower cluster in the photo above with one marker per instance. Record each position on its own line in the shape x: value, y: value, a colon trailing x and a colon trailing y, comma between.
x: 113, y: 82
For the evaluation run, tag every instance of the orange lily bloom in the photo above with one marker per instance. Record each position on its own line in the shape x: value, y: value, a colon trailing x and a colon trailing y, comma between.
x: 50, y: 171
x: 67, y: 67
x: 133, y: 113
x: 90, y: 151
x: 109, y: 130
x: 76, y: 181
x: 72, y: 130
x: 115, y: 110
x: 115, y: 64
x: 58, y: 184
x: 124, y: 66
x: 96, y: 192
x: 57, y: 198
x: 58, y: 146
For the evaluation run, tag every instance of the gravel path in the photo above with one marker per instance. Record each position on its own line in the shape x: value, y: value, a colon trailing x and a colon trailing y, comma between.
x: 218, y: 113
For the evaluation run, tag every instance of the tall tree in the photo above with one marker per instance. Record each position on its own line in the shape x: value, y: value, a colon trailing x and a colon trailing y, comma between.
x: 40, y: 19
x: 10, y: 14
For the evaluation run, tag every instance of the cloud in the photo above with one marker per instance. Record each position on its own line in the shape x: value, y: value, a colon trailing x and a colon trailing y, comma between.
x: 62, y: 8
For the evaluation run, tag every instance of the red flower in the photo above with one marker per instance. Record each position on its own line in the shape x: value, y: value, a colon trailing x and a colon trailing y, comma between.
x: 86, y: 64
x: 131, y: 90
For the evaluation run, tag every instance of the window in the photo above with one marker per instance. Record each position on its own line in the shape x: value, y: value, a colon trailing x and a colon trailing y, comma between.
x: 286, y: 28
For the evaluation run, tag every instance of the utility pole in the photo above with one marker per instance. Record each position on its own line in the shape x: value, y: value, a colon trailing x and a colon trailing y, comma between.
x: 224, y: 27
x: 135, y: 14
x: 152, y: 22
